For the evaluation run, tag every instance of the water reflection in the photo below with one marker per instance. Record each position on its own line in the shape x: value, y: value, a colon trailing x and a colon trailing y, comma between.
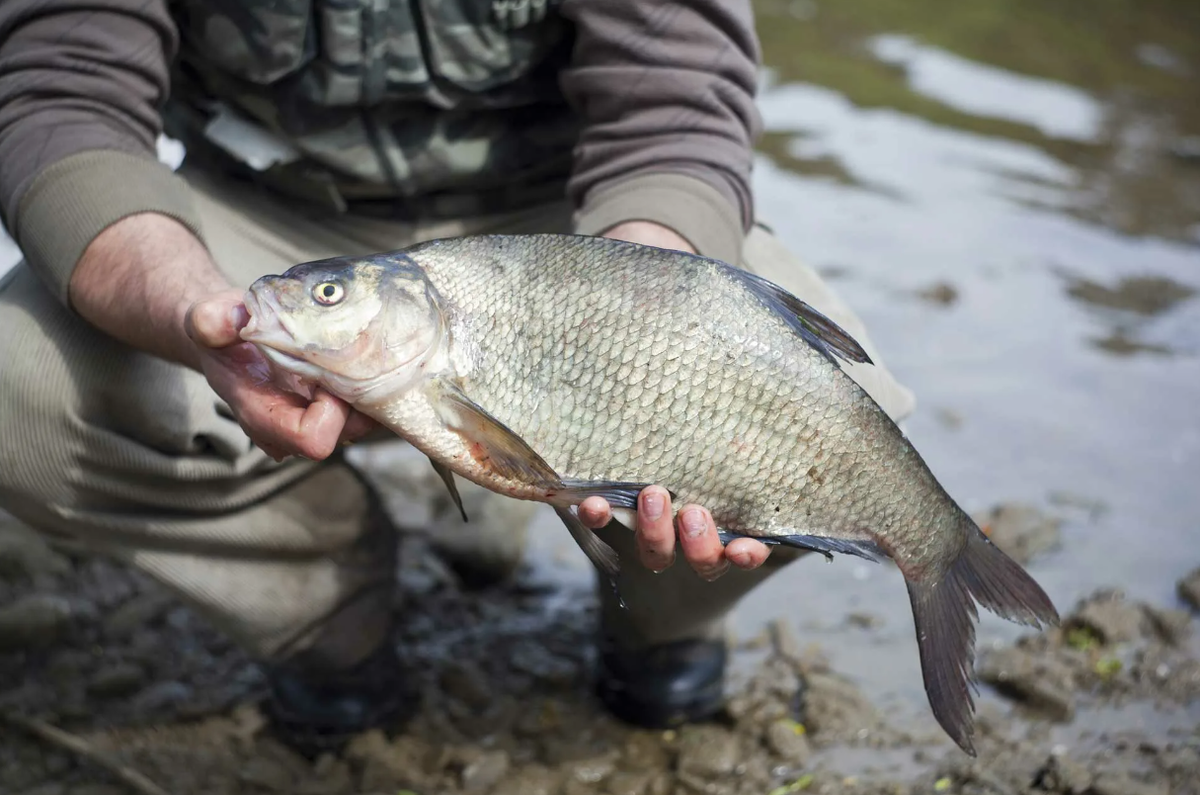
x: 1109, y: 94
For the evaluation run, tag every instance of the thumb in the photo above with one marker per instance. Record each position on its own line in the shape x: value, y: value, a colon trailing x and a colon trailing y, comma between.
x: 214, y: 322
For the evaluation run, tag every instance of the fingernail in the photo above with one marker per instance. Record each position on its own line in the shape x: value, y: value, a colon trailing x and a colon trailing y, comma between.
x: 717, y: 573
x: 652, y: 505
x: 693, y: 523
x: 239, y: 316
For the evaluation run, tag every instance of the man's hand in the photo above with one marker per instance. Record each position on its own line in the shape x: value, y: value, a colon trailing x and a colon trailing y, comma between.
x: 282, y: 423
x: 656, y: 532
x: 148, y: 282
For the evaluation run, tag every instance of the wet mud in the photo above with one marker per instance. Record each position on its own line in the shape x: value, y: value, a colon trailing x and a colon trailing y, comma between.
x: 1107, y: 703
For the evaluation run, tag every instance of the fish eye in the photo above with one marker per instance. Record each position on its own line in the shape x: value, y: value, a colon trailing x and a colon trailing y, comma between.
x: 328, y: 293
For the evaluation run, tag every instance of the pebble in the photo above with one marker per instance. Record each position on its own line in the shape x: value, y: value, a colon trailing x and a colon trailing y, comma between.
x: 484, y: 771
x: 708, y: 752
x: 1113, y: 620
x: 627, y: 783
x: 788, y: 741
x: 331, y: 776
x: 1189, y: 589
x: 1042, y: 684
x: 116, y: 679
x: 1021, y: 531
x: 593, y: 770
x: 1173, y: 626
x: 467, y: 683
x: 137, y: 613
x: 1124, y: 784
x: 529, y: 780
x: 160, y: 695
x: 1061, y: 774
x: 268, y: 774
x: 33, y: 622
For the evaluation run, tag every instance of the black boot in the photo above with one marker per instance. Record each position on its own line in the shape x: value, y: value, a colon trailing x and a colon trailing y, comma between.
x: 315, y: 712
x: 663, y: 686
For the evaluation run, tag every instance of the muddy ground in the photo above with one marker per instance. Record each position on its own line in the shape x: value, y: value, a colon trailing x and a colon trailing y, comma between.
x: 1108, y: 704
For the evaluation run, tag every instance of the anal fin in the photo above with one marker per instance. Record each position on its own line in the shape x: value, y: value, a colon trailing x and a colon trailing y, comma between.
x: 602, y: 556
x: 447, y: 477
x: 826, y: 546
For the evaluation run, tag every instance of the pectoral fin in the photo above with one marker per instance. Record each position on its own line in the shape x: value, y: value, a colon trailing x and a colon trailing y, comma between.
x: 447, y: 477
x: 497, y: 448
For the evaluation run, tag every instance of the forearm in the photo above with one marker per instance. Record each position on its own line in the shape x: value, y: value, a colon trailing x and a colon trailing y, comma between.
x: 136, y: 280
x: 665, y: 92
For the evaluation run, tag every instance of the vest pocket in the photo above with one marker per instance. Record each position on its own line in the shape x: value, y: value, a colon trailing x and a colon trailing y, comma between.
x: 259, y: 41
x: 480, y: 44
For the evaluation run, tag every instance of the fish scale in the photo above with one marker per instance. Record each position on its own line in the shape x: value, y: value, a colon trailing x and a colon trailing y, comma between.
x: 557, y: 367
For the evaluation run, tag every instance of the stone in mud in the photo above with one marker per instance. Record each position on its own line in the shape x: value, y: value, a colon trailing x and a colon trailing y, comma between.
x: 1125, y: 784
x: 268, y: 774
x: 788, y: 740
x: 529, y: 780
x: 466, y: 682
x: 331, y: 776
x: 592, y: 770
x: 1063, y: 775
x: 1021, y: 531
x: 834, y: 709
x: 33, y: 622
x: 161, y: 695
x: 707, y: 752
x: 387, y: 766
x: 1189, y: 589
x: 1109, y: 618
x: 629, y: 783
x: 1172, y: 626
x: 116, y: 680
x: 484, y: 771
x: 137, y: 613
x: 1041, y: 683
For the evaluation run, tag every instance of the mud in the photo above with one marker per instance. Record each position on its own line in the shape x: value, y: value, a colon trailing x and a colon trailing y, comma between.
x: 1108, y: 703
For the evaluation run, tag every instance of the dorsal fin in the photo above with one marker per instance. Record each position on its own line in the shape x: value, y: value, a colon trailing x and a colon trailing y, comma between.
x: 819, y: 331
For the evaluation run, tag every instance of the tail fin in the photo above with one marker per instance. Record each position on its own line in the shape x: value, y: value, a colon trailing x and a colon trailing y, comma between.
x: 945, y: 615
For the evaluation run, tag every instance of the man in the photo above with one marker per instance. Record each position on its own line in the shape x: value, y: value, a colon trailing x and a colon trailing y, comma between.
x: 132, y: 419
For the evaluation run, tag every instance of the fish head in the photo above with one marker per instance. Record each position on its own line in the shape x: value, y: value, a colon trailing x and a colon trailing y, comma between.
x: 362, y: 327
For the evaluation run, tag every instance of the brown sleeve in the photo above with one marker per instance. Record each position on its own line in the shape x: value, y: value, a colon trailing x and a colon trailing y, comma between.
x: 80, y: 87
x: 666, y: 92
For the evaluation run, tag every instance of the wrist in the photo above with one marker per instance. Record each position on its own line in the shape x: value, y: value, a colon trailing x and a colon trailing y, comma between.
x: 137, y: 279
x: 649, y: 233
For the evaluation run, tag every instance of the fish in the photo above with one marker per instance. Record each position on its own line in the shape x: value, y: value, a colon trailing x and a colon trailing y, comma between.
x: 557, y: 367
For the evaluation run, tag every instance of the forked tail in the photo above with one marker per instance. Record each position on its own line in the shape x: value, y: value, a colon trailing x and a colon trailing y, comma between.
x: 944, y: 614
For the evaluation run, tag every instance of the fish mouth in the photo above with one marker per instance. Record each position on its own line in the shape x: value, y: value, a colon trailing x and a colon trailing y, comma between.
x: 267, y: 332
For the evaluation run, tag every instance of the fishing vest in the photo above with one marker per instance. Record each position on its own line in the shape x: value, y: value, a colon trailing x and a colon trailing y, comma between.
x: 395, y: 107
